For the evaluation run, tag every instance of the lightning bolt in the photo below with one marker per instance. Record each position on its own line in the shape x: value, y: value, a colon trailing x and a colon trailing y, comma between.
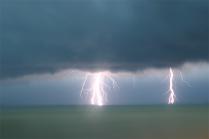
x: 97, y: 90
x: 172, y: 96
x: 84, y: 83
x: 101, y: 83
x: 184, y: 81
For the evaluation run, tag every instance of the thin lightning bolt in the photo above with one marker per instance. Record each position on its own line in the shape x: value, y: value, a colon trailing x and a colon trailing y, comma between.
x: 172, y: 96
x: 84, y: 83
x: 102, y: 81
x: 184, y: 81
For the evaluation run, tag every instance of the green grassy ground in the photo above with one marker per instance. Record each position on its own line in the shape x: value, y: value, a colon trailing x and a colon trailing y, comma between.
x: 123, y: 122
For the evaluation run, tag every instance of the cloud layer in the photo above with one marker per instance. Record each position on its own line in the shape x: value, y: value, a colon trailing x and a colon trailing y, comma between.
x: 47, y: 36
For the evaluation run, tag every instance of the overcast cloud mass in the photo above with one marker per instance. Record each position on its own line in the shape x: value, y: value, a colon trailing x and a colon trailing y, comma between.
x: 137, y: 40
x: 47, y: 36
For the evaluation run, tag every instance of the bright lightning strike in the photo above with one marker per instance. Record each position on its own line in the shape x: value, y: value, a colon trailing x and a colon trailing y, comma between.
x: 97, y: 90
x: 101, y: 83
x: 172, y: 96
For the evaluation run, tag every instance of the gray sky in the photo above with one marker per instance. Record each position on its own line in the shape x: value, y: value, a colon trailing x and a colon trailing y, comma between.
x: 147, y: 87
x: 136, y: 40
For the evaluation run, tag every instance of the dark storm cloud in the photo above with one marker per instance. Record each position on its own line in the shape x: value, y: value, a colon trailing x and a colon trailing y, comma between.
x: 47, y: 36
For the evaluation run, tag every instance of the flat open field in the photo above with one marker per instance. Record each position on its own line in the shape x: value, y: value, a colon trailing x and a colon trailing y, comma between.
x: 109, y: 122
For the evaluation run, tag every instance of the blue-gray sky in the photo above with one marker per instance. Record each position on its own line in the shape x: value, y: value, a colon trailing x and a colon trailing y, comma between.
x: 136, y: 40
x: 147, y: 87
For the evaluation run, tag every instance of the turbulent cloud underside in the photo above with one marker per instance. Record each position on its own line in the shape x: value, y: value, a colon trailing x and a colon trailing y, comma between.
x: 44, y: 36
